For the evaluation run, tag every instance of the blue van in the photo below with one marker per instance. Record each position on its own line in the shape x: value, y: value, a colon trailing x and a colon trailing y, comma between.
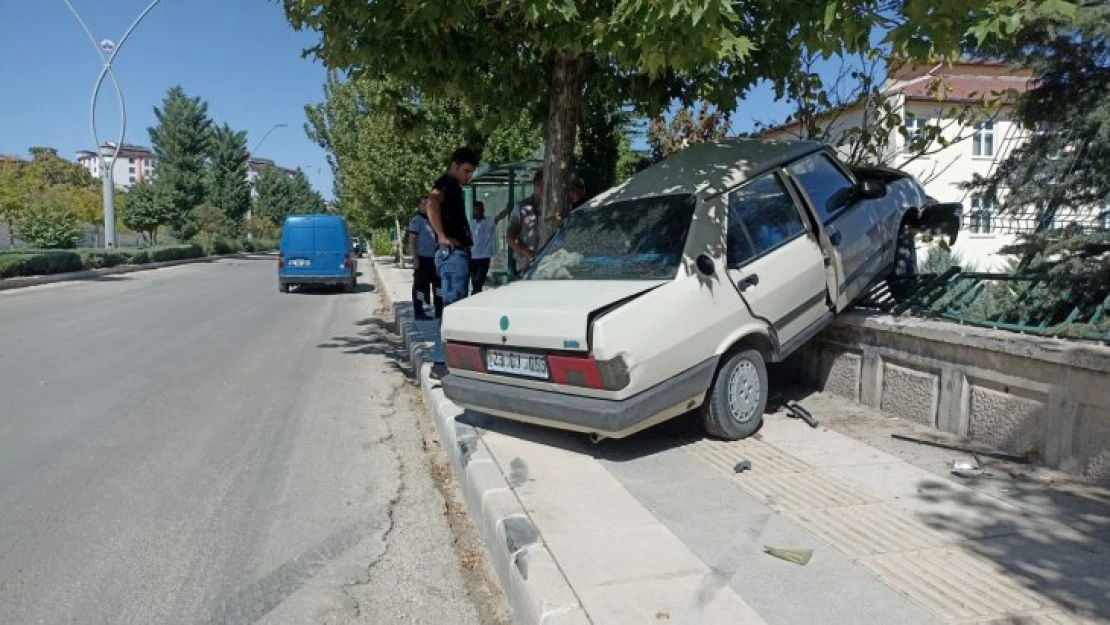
x: 315, y: 249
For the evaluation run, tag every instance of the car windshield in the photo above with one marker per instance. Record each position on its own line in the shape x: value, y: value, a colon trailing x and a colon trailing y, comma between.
x: 638, y: 239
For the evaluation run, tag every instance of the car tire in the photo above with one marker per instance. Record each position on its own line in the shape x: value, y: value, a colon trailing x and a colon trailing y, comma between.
x: 283, y: 287
x: 734, y: 407
x: 905, y: 253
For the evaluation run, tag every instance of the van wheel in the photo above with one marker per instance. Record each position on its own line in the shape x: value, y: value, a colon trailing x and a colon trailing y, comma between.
x: 734, y: 408
x: 283, y: 287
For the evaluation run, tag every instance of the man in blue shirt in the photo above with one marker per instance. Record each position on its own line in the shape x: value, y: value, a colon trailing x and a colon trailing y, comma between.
x: 425, y: 278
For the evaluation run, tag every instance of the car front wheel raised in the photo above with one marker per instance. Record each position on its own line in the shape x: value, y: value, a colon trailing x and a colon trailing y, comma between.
x: 734, y: 408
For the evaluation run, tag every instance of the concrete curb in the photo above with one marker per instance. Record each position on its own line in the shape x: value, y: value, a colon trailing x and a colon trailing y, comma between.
x: 537, y: 590
x: 8, y: 284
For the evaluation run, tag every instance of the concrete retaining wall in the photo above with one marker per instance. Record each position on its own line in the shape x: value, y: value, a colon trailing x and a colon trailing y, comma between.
x: 1018, y: 393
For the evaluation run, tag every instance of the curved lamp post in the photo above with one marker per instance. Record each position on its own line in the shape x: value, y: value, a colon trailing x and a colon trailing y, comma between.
x: 107, y: 50
x: 250, y: 216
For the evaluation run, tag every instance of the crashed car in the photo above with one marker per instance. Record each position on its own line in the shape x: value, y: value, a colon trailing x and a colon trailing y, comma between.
x: 672, y: 291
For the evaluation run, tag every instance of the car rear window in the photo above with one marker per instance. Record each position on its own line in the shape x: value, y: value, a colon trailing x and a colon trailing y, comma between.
x: 639, y: 239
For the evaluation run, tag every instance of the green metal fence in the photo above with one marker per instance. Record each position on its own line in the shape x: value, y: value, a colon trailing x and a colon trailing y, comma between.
x: 1025, y: 303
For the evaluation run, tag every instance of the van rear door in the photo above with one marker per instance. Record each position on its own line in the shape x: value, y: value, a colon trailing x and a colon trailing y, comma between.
x: 298, y: 247
x: 332, y: 247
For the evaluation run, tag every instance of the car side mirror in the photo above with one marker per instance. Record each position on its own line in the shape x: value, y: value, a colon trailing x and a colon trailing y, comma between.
x: 705, y: 264
x: 870, y: 190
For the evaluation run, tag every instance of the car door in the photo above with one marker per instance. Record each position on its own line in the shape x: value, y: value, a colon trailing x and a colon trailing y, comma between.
x: 852, y: 227
x: 774, y: 258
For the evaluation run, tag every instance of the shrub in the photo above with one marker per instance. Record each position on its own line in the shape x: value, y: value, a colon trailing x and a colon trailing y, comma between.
x: 380, y: 243
x: 97, y: 259
x: 167, y: 253
x: 38, y: 263
x: 50, y: 226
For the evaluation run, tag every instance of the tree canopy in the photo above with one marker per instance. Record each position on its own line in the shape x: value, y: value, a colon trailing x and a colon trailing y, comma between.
x: 539, y: 55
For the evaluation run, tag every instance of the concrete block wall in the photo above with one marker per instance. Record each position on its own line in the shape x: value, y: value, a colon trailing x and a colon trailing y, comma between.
x: 1018, y: 393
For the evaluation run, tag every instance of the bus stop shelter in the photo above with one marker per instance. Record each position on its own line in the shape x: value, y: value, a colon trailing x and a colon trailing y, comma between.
x: 499, y: 186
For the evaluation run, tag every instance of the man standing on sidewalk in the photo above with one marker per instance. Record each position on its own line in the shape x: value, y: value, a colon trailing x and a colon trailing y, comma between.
x: 447, y: 212
x: 425, y: 278
x: 523, y: 235
x: 482, y: 229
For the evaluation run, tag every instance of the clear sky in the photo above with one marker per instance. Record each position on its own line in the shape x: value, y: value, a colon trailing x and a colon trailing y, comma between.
x: 241, y: 56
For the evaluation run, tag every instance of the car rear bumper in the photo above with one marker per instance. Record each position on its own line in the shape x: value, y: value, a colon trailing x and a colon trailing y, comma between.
x: 336, y: 279
x: 604, y: 417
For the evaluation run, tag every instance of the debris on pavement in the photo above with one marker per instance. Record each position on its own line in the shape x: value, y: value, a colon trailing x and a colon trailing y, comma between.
x: 800, y: 557
x: 743, y: 465
x: 794, y: 410
x: 970, y: 448
x: 963, y: 468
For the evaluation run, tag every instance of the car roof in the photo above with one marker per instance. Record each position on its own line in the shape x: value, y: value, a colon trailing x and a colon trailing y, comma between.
x: 314, y: 219
x: 709, y: 168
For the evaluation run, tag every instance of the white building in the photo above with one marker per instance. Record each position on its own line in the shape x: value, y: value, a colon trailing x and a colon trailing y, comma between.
x: 941, y: 96
x: 133, y: 165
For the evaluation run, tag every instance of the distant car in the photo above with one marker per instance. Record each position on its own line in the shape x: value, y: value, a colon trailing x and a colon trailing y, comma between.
x: 672, y: 291
x: 358, y: 247
x: 315, y: 249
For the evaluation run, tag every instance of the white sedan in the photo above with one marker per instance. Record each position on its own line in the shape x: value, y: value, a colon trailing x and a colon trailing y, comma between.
x: 670, y: 292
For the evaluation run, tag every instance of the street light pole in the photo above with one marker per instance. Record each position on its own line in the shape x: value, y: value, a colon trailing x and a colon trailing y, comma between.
x: 107, y: 50
x: 250, y: 216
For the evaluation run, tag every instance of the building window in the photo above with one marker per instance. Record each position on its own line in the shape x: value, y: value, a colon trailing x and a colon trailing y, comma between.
x: 982, y: 143
x: 979, y: 221
x: 913, y: 126
x: 131, y: 169
x: 131, y: 179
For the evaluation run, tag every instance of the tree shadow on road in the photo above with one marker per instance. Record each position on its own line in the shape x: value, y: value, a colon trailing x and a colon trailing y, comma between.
x: 376, y: 336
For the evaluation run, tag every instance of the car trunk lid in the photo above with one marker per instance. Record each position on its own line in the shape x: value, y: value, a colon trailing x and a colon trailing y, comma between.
x: 537, y: 314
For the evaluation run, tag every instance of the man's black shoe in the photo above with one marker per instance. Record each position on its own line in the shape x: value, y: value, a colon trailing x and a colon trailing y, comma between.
x: 421, y: 317
x: 439, y: 371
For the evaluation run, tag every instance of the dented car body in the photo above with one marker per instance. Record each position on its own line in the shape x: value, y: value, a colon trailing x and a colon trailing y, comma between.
x: 671, y: 291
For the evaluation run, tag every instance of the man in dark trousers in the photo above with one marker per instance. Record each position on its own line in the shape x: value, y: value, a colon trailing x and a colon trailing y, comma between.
x: 425, y: 278
x: 447, y: 212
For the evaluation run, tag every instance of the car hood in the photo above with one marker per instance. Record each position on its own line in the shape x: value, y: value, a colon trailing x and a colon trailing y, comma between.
x: 537, y: 314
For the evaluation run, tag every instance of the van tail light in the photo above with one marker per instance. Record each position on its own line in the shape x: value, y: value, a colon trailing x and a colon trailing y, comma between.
x: 464, y: 357
x: 584, y: 371
x: 347, y: 261
x: 281, y: 261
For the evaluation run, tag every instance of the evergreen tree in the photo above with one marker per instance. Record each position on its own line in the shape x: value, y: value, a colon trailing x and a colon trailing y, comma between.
x: 181, y: 141
x: 226, y: 176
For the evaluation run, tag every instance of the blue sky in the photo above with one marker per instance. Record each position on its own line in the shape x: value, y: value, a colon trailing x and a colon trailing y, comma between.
x: 241, y: 56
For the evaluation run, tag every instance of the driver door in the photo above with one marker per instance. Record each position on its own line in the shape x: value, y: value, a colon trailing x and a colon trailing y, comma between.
x: 852, y: 226
x: 774, y: 260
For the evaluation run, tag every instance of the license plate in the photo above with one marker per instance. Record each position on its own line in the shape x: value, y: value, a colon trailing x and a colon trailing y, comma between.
x: 300, y: 262
x: 516, y: 363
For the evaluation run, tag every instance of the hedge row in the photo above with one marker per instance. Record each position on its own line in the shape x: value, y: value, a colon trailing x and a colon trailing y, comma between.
x: 19, y: 263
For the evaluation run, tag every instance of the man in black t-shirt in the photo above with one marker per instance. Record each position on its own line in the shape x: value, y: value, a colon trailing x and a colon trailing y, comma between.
x: 447, y: 212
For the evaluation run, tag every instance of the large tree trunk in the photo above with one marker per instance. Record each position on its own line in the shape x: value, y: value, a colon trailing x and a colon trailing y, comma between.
x: 567, y: 80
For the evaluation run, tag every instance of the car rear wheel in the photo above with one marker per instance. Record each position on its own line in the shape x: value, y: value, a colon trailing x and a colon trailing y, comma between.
x: 734, y: 408
x: 283, y: 287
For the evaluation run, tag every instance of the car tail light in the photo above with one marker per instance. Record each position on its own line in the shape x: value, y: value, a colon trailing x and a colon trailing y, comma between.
x: 466, y: 357
x: 584, y: 371
x: 346, y: 261
x: 281, y: 261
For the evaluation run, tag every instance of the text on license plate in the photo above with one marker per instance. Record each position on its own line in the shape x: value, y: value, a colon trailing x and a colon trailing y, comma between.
x: 300, y: 262
x: 516, y: 363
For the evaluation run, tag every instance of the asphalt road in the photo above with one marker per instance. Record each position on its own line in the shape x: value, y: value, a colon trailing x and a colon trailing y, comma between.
x: 188, y: 445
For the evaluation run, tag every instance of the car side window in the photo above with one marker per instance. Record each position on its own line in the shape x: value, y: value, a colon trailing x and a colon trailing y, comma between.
x: 827, y: 187
x: 761, y: 217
